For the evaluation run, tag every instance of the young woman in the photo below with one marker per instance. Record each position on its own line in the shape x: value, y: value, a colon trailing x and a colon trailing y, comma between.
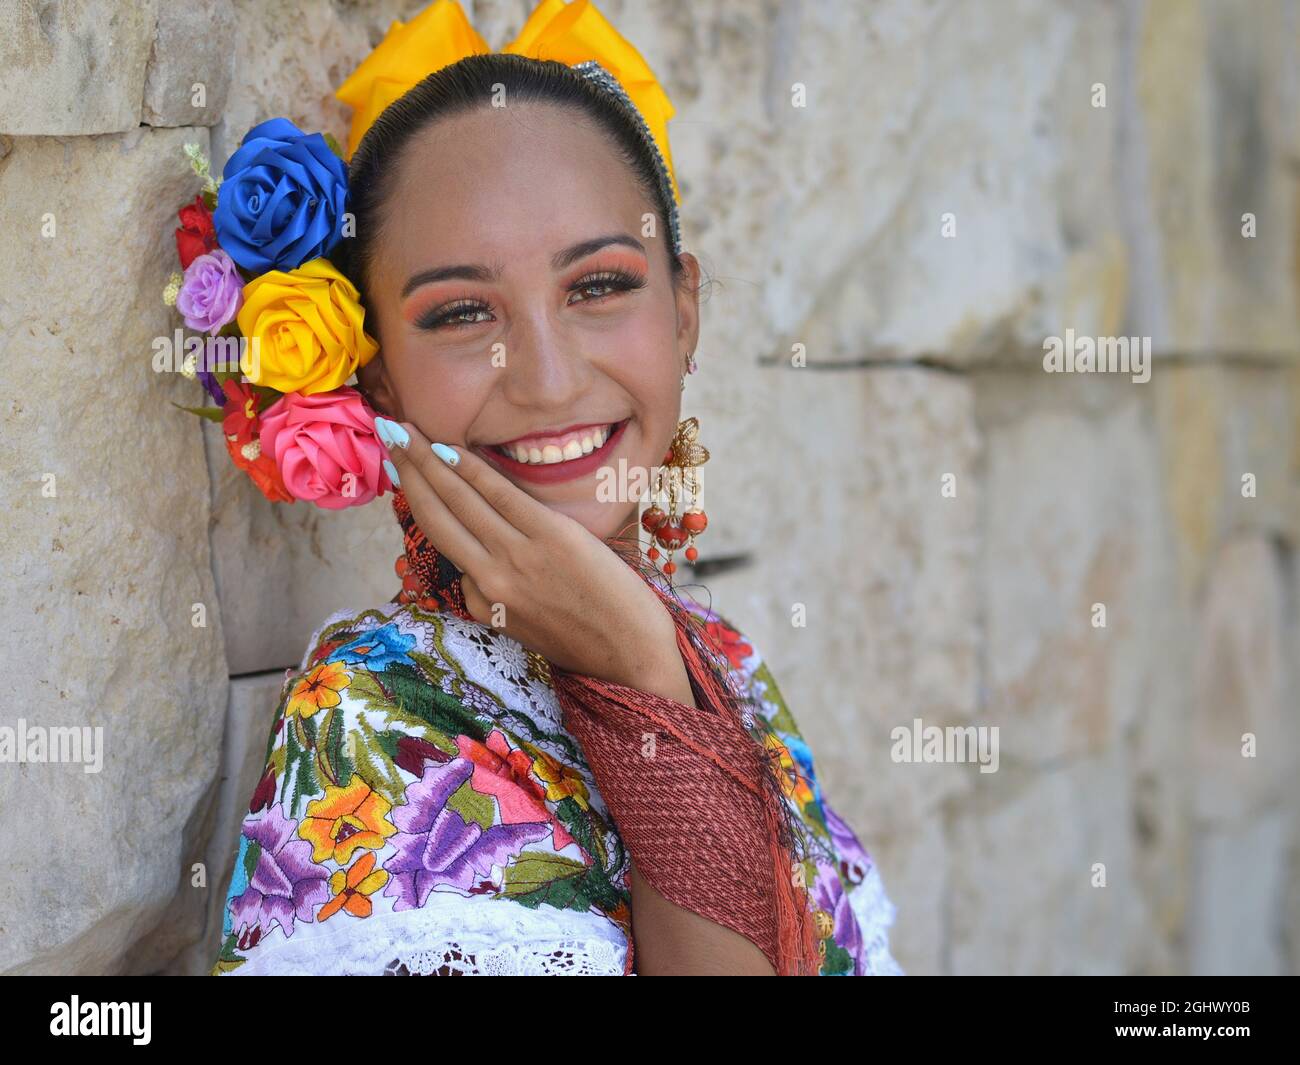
x: 538, y: 758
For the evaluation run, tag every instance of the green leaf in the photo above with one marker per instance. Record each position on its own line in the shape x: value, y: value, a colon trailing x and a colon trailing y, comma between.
x: 251, y: 856
x: 473, y: 806
x: 304, y: 779
x: 548, y: 878
x: 213, y: 414
x: 374, y: 765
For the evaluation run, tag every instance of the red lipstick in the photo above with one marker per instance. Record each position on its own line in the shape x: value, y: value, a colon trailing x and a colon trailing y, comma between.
x: 556, y: 472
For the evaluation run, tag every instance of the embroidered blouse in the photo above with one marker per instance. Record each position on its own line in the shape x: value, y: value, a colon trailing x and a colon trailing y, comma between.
x: 423, y: 811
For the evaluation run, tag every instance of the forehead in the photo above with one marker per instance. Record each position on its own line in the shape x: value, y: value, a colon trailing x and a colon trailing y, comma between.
x: 507, y: 184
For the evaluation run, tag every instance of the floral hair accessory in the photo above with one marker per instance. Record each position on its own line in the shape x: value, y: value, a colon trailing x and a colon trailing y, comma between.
x: 211, y: 292
x: 195, y: 235
x: 254, y: 246
x: 285, y: 328
x: 305, y: 329
x: 325, y: 447
x: 283, y: 197
x: 240, y: 424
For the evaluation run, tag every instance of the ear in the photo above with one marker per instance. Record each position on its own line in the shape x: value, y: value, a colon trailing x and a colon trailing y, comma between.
x: 378, y: 387
x: 688, y: 308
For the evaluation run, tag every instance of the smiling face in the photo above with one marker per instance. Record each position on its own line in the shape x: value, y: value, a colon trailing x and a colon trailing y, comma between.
x: 519, y: 307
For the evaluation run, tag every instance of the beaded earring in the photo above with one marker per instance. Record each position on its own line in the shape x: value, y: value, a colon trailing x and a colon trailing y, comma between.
x: 677, y: 478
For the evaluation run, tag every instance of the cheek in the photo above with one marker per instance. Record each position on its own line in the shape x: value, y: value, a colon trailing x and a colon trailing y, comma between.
x: 648, y: 374
x: 440, y: 396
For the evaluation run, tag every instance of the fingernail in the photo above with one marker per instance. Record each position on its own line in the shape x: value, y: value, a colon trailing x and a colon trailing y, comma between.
x: 391, y: 433
x: 448, y: 455
x: 391, y: 470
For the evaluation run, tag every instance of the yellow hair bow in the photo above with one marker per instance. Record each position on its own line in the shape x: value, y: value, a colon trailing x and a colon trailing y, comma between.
x: 441, y: 35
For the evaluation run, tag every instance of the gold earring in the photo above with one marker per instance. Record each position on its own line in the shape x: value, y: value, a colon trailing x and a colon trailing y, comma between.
x: 679, y: 478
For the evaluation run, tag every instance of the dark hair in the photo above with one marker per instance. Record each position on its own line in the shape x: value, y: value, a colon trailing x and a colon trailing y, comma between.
x: 461, y: 87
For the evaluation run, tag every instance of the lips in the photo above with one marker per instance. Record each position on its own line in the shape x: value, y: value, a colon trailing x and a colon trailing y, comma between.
x: 537, y: 449
x: 563, y: 469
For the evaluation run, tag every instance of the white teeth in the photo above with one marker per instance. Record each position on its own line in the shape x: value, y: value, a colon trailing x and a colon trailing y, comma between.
x: 574, y: 449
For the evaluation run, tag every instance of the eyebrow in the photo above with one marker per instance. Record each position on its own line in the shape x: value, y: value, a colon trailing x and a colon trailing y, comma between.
x: 479, y: 272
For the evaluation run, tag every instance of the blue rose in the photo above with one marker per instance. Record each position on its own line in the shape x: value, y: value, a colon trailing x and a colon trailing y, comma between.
x: 282, y: 198
x: 376, y: 650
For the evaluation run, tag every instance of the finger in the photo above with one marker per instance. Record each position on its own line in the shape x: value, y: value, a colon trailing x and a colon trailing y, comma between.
x: 480, y: 609
x: 523, y: 513
x: 443, y: 529
x: 458, y: 486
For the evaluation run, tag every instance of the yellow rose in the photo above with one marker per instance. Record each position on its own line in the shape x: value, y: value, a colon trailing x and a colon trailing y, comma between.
x: 304, y: 329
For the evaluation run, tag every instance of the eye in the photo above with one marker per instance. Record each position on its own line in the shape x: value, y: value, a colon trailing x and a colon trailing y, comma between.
x: 448, y: 315
x: 611, y: 281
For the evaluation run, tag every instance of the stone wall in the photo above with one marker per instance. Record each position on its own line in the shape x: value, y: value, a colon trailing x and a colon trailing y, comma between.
x: 948, y: 515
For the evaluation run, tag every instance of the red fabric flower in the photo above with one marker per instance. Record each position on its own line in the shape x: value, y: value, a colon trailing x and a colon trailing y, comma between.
x: 240, y: 428
x: 240, y: 411
x: 196, y: 235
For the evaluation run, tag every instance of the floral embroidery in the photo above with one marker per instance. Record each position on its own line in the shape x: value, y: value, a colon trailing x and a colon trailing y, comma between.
x: 347, y: 818
x: 793, y: 781
x: 436, y: 845
x: 352, y: 888
x: 285, y: 883
x: 417, y: 765
x: 729, y: 641
x: 318, y: 690
x: 506, y: 775
x: 376, y: 650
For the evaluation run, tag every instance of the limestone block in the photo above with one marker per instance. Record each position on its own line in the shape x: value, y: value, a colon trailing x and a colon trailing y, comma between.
x: 1235, y: 917
x: 291, y: 56
x: 73, y: 68
x: 1246, y: 737
x: 1023, y: 851
x: 104, y: 548
x: 1074, y: 535
x: 831, y: 215
x: 282, y: 568
x: 1228, y: 442
x: 249, y: 717
x: 190, y: 65
x: 1215, y: 98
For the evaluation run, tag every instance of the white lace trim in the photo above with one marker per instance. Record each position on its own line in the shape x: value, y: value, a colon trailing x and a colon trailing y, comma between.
x: 875, y: 913
x: 474, y: 936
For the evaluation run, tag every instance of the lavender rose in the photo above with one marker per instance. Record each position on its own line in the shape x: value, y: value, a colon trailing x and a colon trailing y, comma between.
x: 211, y: 292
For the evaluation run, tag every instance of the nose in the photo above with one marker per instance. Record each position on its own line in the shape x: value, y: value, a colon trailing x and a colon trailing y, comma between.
x: 544, y: 367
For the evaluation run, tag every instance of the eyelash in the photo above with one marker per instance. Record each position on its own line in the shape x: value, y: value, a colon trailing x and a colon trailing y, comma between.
x: 617, y: 280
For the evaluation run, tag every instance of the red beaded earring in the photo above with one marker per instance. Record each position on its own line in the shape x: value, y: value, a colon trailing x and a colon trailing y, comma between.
x: 677, y: 478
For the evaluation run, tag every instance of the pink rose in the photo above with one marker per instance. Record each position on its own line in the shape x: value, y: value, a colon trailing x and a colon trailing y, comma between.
x: 326, y: 448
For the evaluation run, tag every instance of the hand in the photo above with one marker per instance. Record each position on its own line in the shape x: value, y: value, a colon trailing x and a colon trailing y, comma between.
x: 566, y: 594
